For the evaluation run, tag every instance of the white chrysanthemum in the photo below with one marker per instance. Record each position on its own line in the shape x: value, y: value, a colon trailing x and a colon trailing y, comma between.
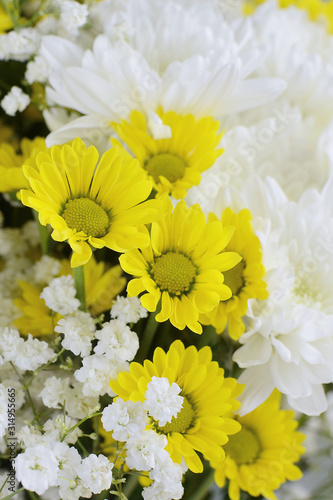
x: 205, y: 72
x: 285, y: 146
x: 96, y: 373
x: 300, y: 50
x: 46, y: 269
x: 290, y: 347
x: 117, y: 341
x: 59, y: 296
x: 33, y: 353
x: 78, y: 332
x: 95, y: 473
x: 37, y: 469
x: 143, y: 450
x: 16, y: 100
x: 128, y: 309
x: 162, y: 400
x: 125, y: 419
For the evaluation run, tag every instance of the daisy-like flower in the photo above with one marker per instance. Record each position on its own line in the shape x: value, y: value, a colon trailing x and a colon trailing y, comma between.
x: 11, y: 171
x: 102, y: 284
x: 87, y: 205
x: 202, y: 424
x: 37, y: 318
x: 182, y: 267
x: 262, y: 455
x: 244, y: 279
x: 174, y: 151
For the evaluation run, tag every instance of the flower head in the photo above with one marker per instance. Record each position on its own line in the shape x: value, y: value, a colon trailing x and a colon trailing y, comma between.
x: 182, y: 267
x: 202, y: 423
x: 261, y: 456
x: 173, y: 152
x: 244, y: 279
x: 87, y: 205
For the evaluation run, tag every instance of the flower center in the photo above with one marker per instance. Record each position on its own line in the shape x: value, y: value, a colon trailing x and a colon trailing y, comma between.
x: 83, y: 214
x: 173, y: 272
x: 234, y: 278
x: 244, y: 447
x: 170, y: 166
x: 182, y: 421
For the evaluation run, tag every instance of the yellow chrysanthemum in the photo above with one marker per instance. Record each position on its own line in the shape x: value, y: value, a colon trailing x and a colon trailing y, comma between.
x: 37, y: 318
x: 175, y: 163
x: 244, y: 279
x: 6, y: 132
x: 316, y: 9
x: 102, y: 285
x: 262, y: 455
x: 5, y: 21
x: 11, y: 171
x: 182, y: 267
x: 202, y: 423
x: 89, y: 205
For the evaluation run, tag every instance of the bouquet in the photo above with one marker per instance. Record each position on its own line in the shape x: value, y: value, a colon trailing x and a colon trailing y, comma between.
x: 166, y: 256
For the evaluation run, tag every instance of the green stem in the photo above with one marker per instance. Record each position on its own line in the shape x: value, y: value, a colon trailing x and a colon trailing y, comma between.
x: 147, y: 338
x: 13, y: 494
x: 25, y: 387
x: 44, y: 234
x: 130, y: 485
x: 79, y: 285
x: 79, y: 423
x: 204, y: 486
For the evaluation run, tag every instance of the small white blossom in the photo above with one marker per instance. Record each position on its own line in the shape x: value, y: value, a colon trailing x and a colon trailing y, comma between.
x: 46, y: 269
x: 56, y: 429
x: 3, y: 410
x: 128, y: 309
x: 37, y: 70
x: 29, y: 436
x: 167, y: 477
x: 60, y: 295
x: 77, y: 404
x: 37, y: 469
x: 117, y: 341
x: 32, y: 354
x: 162, y: 400
x: 10, y: 343
x: 15, y: 100
x: 55, y: 392
x: 78, y: 332
x: 19, y: 45
x: 96, y: 373
x: 125, y: 419
x: 8, y: 484
x: 73, y: 15
x: 143, y: 450
x: 95, y: 473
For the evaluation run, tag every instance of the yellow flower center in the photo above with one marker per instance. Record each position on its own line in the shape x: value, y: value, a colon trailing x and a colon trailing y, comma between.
x: 182, y: 421
x: 83, y: 214
x: 244, y: 447
x: 234, y: 278
x: 173, y: 272
x: 170, y: 166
